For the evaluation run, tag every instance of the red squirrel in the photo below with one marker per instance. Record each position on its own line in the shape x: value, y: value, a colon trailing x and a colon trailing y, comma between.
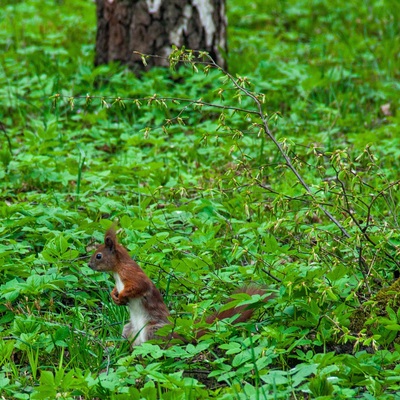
x: 133, y: 288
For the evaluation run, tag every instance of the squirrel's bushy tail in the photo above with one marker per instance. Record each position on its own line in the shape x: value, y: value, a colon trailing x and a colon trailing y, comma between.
x: 243, y: 312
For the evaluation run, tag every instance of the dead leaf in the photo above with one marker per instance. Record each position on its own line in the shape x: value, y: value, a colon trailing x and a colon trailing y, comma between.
x: 386, y: 110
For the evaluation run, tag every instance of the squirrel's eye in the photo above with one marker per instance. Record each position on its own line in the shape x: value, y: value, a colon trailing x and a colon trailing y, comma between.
x: 98, y: 256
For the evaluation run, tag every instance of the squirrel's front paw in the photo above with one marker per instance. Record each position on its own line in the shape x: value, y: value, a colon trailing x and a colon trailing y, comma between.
x: 114, y: 296
x: 117, y: 299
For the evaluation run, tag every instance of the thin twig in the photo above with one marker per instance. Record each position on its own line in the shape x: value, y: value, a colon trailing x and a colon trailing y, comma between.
x: 265, y: 126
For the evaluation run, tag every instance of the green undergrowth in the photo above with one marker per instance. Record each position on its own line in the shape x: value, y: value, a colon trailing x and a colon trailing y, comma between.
x: 206, y: 203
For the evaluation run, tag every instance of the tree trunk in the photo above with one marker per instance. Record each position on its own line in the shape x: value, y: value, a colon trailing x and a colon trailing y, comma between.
x: 153, y: 26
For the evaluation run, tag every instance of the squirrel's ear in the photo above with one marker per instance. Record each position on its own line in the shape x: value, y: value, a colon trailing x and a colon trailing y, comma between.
x: 110, y: 245
x: 110, y: 239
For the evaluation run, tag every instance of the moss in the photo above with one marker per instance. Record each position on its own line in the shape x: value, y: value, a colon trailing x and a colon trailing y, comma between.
x: 376, y: 307
x: 390, y: 295
x: 358, y: 319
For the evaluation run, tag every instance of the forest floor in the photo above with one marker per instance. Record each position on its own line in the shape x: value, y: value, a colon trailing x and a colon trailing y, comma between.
x: 283, y: 173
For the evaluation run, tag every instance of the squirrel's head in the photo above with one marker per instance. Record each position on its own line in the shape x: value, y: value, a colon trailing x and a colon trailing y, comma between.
x: 105, y: 257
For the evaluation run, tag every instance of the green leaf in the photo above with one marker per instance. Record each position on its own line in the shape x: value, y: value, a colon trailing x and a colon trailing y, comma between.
x: 231, y: 348
x: 393, y: 327
x: 275, y: 378
x: 47, y: 388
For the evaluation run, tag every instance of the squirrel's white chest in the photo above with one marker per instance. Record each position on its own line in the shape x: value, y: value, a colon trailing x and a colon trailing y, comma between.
x: 118, y: 282
x: 139, y: 316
